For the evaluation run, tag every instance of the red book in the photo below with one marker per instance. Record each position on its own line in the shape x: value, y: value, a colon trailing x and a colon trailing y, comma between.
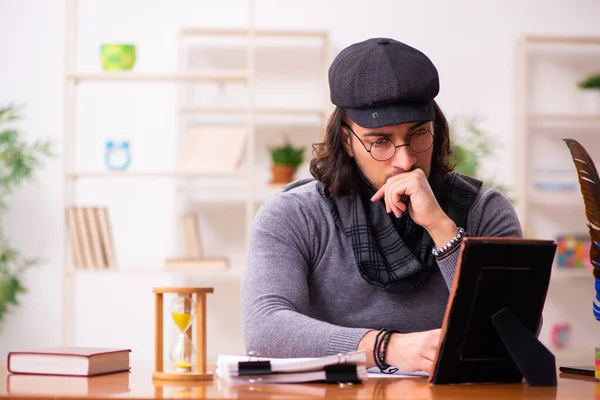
x: 72, y: 361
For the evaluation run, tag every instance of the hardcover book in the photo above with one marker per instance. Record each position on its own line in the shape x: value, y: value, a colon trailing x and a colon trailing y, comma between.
x: 71, y: 361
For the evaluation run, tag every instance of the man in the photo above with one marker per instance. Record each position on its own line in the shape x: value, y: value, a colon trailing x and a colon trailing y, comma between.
x: 363, y: 256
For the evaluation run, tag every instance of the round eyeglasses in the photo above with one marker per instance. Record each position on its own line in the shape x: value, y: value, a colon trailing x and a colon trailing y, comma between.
x: 383, y: 149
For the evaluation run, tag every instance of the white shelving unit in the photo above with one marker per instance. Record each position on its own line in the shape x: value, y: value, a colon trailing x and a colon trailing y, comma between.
x: 245, y: 186
x: 257, y: 117
x: 550, y: 107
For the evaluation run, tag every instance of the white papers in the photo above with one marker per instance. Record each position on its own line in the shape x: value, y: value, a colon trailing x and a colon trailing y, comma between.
x: 295, y: 370
x: 289, y: 370
x: 230, y: 363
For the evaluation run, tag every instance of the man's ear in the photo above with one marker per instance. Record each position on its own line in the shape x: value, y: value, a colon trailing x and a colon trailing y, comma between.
x: 346, y: 141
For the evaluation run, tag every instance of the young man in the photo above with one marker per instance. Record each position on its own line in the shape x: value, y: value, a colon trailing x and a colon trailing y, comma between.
x: 363, y: 256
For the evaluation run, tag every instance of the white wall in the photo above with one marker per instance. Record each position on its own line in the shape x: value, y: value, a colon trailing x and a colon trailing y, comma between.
x: 470, y: 42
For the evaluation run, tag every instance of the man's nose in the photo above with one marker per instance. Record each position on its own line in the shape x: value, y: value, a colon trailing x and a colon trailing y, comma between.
x: 404, y: 158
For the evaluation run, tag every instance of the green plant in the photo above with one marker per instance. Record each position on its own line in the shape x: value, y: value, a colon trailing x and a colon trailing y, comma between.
x: 591, y: 82
x: 470, y: 149
x: 18, y: 161
x: 287, y: 154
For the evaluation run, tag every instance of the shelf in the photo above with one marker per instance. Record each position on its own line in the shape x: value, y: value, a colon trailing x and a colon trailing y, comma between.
x: 555, y: 198
x: 225, y: 272
x: 259, y: 111
x: 127, y: 76
x: 232, y: 195
x: 571, y: 121
x: 570, y: 40
x: 257, y: 32
x: 574, y: 273
x: 154, y: 174
x: 564, y: 118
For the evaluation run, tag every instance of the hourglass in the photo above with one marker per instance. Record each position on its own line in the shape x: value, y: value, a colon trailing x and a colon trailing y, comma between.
x: 187, y: 307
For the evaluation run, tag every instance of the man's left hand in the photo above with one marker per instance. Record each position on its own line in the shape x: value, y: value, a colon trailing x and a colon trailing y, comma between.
x: 412, y: 188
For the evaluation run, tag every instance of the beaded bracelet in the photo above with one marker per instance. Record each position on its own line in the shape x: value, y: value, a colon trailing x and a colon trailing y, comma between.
x: 380, y: 349
x: 450, y: 246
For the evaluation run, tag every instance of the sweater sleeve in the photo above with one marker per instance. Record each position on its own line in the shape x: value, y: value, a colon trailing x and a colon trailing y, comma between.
x: 275, y: 292
x: 491, y: 215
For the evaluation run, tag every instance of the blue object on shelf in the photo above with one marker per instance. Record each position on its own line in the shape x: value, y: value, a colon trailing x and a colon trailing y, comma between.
x: 596, y: 305
x: 117, y: 156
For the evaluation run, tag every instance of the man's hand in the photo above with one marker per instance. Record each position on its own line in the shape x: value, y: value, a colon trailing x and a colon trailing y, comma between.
x: 413, y: 188
x: 412, y: 352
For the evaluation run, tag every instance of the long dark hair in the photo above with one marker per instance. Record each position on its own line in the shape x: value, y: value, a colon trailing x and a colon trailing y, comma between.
x: 332, y: 166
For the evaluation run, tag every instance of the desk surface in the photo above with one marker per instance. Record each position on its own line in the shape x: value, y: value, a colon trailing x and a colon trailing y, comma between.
x: 138, y: 384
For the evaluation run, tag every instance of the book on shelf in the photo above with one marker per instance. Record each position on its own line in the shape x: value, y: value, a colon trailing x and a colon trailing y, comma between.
x: 346, y: 367
x: 207, y: 263
x: 75, y: 237
x: 84, y: 237
x: 191, y: 237
x: 193, y: 250
x: 218, y: 148
x: 69, y: 361
x: 66, y: 386
x: 106, y: 237
x: 90, y: 237
x: 96, y: 247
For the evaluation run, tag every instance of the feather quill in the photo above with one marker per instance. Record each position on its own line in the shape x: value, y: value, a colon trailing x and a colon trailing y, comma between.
x: 590, y: 189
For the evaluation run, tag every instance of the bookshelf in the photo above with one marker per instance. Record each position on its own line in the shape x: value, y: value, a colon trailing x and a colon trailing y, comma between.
x: 547, y: 66
x: 243, y: 189
x: 550, y: 107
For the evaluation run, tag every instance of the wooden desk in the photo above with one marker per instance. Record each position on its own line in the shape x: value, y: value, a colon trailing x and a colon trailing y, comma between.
x: 138, y: 384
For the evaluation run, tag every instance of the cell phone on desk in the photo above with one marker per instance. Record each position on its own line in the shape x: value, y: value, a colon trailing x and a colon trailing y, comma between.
x: 579, y: 370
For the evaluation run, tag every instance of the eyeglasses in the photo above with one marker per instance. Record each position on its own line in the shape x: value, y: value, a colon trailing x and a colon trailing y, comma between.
x: 383, y: 149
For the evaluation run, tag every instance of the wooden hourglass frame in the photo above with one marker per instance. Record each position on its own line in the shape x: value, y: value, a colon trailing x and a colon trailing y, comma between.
x: 199, y: 297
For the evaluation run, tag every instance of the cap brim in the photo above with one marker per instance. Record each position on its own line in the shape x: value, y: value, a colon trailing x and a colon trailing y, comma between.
x: 392, y: 114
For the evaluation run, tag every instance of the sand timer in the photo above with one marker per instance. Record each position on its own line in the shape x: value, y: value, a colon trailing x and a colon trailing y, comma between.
x: 186, y: 310
x: 182, y: 351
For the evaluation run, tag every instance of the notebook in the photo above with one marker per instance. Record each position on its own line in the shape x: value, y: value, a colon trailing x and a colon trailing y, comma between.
x: 73, y: 361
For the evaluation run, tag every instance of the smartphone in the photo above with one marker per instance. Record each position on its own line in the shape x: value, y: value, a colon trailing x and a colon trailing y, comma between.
x: 588, y: 371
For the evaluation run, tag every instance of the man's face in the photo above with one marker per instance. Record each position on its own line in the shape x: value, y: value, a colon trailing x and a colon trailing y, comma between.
x: 378, y: 172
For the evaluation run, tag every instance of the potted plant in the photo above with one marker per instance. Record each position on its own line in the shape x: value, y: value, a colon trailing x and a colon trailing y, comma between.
x: 285, y: 161
x: 18, y: 160
x: 591, y: 90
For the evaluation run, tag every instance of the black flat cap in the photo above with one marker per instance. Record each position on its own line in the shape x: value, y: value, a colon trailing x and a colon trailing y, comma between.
x: 382, y: 82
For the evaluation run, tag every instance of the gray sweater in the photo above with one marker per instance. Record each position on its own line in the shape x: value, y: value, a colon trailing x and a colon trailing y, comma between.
x: 302, y: 293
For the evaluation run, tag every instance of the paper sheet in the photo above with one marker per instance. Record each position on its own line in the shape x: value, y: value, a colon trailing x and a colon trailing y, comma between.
x: 375, y: 373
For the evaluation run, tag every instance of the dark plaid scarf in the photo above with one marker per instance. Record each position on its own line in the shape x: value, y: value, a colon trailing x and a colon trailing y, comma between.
x: 395, y: 253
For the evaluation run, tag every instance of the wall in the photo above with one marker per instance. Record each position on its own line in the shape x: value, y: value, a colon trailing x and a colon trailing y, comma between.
x: 470, y: 42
